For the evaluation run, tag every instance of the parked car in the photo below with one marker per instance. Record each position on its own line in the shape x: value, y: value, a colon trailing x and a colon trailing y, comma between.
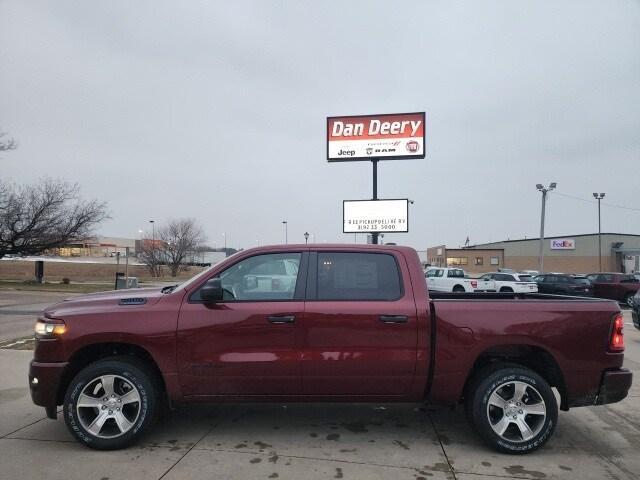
x: 561, y: 284
x: 635, y: 313
x: 511, y: 282
x: 360, y: 325
x: 456, y: 280
x: 533, y: 273
x: 616, y: 286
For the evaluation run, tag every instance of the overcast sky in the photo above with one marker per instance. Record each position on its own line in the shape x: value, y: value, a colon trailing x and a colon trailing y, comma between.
x: 217, y: 111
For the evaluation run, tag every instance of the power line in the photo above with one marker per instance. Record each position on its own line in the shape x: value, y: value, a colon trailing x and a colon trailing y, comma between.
x: 604, y: 204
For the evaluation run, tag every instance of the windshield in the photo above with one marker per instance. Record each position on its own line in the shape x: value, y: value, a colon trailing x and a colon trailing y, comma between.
x: 187, y: 283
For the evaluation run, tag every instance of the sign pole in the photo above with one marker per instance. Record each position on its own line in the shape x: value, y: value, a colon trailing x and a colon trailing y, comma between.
x: 374, y: 164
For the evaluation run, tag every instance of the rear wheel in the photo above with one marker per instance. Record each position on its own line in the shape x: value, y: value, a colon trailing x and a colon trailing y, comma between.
x: 506, y: 290
x: 629, y: 300
x: 513, y: 409
x: 458, y: 289
x: 110, y: 403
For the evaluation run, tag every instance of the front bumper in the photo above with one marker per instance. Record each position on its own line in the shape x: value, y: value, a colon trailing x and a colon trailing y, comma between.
x: 44, y: 380
x: 614, y: 386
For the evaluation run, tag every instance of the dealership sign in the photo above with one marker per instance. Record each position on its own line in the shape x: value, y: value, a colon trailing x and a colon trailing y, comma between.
x: 375, y: 216
x: 563, y: 244
x: 367, y: 137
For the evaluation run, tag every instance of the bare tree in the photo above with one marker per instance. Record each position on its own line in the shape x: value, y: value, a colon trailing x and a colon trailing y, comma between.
x: 7, y: 144
x: 179, y: 238
x: 151, y: 256
x: 176, y: 240
x: 50, y: 214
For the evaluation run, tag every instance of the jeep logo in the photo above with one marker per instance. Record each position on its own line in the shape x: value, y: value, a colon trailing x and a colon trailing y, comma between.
x: 347, y: 153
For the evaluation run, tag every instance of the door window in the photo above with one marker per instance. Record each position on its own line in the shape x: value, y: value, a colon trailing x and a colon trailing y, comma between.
x: 261, y: 278
x: 358, y: 276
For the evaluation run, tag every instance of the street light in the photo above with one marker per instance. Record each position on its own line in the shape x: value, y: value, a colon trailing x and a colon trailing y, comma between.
x: 599, y: 196
x: 306, y: 237
x: 225, y: 244
x: 544, y: 191
x: 284, y: 222
x: 153, y: 246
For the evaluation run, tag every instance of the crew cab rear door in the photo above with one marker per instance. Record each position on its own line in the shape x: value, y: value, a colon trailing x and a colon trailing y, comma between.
x: 359, y: 331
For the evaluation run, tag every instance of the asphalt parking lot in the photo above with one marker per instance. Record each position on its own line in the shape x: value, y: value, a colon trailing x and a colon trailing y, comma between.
x: 359, y: 441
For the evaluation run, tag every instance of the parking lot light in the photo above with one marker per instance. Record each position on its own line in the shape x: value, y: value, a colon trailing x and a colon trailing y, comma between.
x: 544, y: 192
x: 599, y: 196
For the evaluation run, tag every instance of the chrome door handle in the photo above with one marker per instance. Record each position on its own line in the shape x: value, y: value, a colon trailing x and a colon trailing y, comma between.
x: 282, y: 318
x: 394, y: 318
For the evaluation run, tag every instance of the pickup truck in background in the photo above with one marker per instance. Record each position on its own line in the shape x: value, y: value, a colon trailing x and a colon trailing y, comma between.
x: 456, y: 280
x: 616, y: 286
x: 511, y: 282
x: 359, y: 325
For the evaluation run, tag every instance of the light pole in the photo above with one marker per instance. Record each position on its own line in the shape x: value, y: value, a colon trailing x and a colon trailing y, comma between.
x: 225, y: 244
x: 599, y: 196
x: 306, y: 237
x: 153, y: 246
x: 544, y: 191
x: 284, y: 222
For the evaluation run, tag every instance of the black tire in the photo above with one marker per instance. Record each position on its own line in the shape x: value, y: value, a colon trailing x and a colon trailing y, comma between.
x: 458, y: 289
x: 128, y: 373
x: 506, y: 290
x: 488, y: 419
x: 629, y: 300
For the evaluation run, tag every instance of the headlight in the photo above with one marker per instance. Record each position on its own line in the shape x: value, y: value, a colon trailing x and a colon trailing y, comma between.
x: 49, y: 328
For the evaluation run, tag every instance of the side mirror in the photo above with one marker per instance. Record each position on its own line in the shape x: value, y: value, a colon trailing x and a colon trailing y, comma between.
x: 212, y: 291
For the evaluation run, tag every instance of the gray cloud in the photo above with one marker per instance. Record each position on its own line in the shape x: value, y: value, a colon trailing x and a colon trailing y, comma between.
x: 217, y: 110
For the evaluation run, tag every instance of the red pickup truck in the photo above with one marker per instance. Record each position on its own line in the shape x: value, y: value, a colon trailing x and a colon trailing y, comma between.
x: 325, y: 323
x: 615, y: 286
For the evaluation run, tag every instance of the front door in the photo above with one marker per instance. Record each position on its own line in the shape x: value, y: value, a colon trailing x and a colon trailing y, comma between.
x: 360, y: 329
x: 245, y: 344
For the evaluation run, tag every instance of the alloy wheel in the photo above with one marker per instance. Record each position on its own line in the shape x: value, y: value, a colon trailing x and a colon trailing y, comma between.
x: 516, y: 411
x: 108, y: 406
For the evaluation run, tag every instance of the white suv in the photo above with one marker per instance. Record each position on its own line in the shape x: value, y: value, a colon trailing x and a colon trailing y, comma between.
x: 512, y: 282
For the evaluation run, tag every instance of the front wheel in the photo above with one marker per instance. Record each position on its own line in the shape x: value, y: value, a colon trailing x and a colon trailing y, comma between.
x: 513, y: 409
x: 110, y: 403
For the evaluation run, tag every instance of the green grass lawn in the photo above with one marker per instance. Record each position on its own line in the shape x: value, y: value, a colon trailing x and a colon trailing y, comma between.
x: 56, y: 287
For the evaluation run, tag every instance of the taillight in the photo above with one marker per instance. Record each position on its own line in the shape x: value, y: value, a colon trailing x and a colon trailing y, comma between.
x: 616, y: 342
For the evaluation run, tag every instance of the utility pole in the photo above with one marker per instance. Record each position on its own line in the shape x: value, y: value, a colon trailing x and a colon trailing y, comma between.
x: 374, y: 164
x: 153, y: 246
x: 286, y: 240
x: 599, y: 196
x: 544, y: 191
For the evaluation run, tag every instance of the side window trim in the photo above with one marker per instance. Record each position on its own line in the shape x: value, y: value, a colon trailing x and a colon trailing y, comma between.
x: 312, y: 277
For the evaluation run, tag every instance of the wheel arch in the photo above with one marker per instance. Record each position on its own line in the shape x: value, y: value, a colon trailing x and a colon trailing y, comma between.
x: 97, y: 351
x: 530, y: 356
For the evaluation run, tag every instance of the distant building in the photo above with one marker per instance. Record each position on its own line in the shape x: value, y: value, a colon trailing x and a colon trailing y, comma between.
x: 569, y: 253
x: 97, y: 247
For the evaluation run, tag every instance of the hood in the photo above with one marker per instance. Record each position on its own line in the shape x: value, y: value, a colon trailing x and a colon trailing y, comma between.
x: 106, y: 301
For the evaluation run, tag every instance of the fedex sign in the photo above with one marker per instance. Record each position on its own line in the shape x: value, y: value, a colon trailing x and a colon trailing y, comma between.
x: 563, y: 244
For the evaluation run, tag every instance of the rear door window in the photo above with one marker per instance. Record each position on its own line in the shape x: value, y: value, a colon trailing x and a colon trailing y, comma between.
x: 358, y: 276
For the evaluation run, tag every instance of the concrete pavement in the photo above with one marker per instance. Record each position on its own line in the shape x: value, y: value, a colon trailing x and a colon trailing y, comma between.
x: 314, y: 441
